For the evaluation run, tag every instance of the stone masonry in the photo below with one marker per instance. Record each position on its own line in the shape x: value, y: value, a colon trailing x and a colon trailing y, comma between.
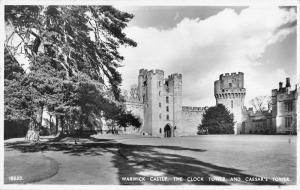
x: 157, y: 101
x: 229, y: 90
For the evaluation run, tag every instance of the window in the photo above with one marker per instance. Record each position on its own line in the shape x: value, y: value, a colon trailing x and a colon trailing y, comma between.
x: 159, y: 130
x: 159, y: 93
x: 159, y: 104
x: 288, y: 122
x: 167, y: 99
x: 159, y: 83
x: 230, y: 85
x: 231, y: 103
x: 168, y: 117
x: 167, y: 108
x: 289, y: 106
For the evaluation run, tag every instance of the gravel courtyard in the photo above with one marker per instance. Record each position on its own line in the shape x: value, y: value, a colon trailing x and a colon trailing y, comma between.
x: 127, y: 159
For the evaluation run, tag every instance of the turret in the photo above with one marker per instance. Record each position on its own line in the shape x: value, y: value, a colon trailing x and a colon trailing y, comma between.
x: 229, y: 90
x: 288, y: 84
x: 280, y: 85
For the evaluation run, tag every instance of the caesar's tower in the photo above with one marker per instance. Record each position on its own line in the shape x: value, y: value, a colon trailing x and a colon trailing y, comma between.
x: 229, y: 91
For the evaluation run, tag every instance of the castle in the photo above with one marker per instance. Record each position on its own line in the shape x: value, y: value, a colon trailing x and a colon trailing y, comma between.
x: 157, y: 101
x: 282, y: 119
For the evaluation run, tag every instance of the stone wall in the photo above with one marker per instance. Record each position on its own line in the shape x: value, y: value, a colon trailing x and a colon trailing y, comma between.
x: 137, y: 109
x: 256, y: 122
x: 191, y: 119
x: 283, y: 113
x: 284, y: 108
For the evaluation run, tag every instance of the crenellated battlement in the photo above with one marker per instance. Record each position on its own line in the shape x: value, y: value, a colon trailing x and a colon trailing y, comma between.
x: 193, y: 109
x: 145, y: 72
x: 227, y: 75
x: 284, y: 89
x: 230, y: 83
x: 228, y: 95
x: 175, y: 75
x: 155, y: 72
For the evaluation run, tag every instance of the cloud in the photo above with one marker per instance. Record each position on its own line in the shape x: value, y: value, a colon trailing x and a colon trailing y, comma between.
x: 203, y: 49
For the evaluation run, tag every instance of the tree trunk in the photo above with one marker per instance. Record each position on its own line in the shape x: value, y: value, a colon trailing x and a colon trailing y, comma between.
x: 40, y: 118
x: 32, y: 134
x: 62, y: 124
x: 51, y: 125
x: 81, y: 126
x: 56, y: 124
x: 67, y: 124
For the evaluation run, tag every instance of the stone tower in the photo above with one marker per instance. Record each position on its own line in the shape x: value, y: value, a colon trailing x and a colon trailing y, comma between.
x: 229, y: 90
x: 162, y: 99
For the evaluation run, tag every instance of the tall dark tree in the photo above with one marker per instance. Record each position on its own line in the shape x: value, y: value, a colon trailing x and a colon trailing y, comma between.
x: 217, y: 120
x: 73, y: 57
x: 12, y: 68
x: 18, y: 97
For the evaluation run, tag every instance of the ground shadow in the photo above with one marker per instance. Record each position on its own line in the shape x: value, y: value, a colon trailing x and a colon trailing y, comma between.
x: 131, y: 160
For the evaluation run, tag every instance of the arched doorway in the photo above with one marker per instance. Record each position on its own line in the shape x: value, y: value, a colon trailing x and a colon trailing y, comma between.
x: 167, y: 131
x: 243, y: 128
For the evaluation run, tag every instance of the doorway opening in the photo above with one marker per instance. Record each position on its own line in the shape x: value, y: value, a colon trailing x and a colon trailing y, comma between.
x: 167, y: 131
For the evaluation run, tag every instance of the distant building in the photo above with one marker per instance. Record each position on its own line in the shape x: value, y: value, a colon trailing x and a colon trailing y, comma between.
x: 256, y: 122
x: 284, y: 108
x: 282, y: 119
x: 157, y: 101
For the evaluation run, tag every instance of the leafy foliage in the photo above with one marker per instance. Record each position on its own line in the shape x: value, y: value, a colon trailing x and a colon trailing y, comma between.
x: 11, y: 67
x: 73, y: 57
x: 217, y: 120
x: 17, y: 96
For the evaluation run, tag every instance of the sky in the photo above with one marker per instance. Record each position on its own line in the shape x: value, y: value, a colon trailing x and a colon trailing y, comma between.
x: 203, y: 42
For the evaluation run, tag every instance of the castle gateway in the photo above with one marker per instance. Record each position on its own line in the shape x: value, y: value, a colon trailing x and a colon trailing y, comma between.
x: 157, y: 101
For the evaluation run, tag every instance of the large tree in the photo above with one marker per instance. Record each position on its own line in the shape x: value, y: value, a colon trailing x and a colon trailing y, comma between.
x: 18, y: 97
x: 217, y: 120
x: 72, y: 56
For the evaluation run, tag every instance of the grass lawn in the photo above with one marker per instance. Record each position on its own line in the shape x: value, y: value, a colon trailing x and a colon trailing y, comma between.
x: 22, y: 169
x: 109, y: 159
